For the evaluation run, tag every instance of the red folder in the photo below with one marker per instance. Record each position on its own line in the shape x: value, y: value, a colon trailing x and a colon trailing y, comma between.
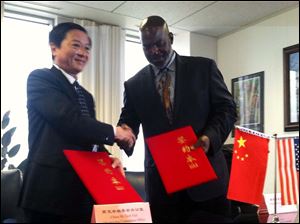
x: 178, y: 164
x: 106, y: 184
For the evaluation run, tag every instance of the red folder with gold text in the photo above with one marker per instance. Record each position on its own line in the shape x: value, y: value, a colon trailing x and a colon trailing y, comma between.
x: 106, y: 184
x: 179, y: 166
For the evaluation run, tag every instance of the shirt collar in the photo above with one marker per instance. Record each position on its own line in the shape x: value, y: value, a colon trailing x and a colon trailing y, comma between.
x: 70, y: 78
x: 170, y: 66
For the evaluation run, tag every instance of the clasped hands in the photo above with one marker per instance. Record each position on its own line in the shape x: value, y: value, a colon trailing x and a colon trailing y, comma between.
x: 125, y: 137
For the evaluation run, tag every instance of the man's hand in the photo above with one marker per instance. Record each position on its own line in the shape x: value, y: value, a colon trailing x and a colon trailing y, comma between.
x: 203, y: 142
x: 125, y: 126
x: 116, y: 163
x: 125, y: 137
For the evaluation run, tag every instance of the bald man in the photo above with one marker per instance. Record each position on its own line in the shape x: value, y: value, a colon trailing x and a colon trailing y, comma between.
x: 198, y: 97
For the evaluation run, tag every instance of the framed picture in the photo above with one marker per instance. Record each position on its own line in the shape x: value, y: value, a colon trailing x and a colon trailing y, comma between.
x: 248, y: 94
x: 291, y: 87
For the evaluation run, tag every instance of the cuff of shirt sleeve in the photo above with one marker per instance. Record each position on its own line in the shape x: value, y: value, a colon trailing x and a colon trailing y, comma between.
x: 115, y: 131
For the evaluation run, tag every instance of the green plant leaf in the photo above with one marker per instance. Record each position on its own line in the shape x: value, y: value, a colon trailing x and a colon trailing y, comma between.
x: 14, y: 150
x: 3, y: 162
x: 5, y: 120
x: 3, y: 152
x: 6, y: 138
x: 11, y: 167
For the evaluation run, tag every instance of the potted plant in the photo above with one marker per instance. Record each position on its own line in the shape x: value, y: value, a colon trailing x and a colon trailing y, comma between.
x: 6, y: 150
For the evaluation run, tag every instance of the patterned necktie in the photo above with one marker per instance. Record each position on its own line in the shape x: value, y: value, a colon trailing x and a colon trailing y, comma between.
x: 83, y: 106
x: 81, y: 100
x: 164, y: 89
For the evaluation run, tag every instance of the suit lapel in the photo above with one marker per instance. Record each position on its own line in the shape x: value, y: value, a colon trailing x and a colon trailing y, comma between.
x: 151, y: 95
x: 65, y: 84
x: 180, y: 85
x: 68, y: 89
x: 151, y: 89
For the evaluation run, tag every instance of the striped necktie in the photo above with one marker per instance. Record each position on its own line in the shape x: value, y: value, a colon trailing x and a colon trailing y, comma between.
x: 83, y: 106
x: 81, y: 100
x: 164, y: 90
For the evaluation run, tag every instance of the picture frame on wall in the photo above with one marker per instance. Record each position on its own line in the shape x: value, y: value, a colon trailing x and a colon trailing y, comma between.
x: 291, y: 87
x: 248, y: 94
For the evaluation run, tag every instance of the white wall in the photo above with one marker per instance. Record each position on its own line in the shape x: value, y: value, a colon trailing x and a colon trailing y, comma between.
x: 259, y: 48
x: 192, y: 44
x: 204, y: 46
x: 182, y: 43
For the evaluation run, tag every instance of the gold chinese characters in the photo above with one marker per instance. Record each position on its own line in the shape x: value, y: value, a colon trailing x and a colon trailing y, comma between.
x: 114, y: 180
x: 186, y: 149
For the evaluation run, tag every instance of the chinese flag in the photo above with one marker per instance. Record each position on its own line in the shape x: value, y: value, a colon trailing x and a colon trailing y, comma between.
x: 248, y: 169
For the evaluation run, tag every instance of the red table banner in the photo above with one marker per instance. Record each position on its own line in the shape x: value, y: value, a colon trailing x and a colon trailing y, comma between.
x: 179, y: 165
x: 106, y: 184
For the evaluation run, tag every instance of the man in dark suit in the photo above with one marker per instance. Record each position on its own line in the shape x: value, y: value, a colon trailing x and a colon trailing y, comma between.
x: 198, y: 97
x: 60, y: 118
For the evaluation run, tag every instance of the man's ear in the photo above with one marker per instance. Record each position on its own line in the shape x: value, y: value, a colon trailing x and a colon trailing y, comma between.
x: 53, y: 48
x: 171, y: 36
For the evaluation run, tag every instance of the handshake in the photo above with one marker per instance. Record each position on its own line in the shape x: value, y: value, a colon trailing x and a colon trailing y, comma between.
x: 125, y: 137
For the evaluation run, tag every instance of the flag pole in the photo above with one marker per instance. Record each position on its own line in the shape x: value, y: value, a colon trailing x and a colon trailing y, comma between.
x: 275, y: 217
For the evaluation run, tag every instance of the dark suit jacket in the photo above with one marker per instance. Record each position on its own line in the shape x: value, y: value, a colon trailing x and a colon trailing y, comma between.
x: 202, y: 100
x: 55, y: 123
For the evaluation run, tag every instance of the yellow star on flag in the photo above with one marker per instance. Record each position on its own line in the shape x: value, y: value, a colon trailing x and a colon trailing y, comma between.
x: 241, y: 142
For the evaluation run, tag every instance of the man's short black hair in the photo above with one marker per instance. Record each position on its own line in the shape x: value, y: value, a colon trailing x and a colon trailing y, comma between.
x: 59, y: 32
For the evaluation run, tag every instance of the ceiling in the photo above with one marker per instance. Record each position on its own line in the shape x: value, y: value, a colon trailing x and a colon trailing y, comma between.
x: 211, y: 18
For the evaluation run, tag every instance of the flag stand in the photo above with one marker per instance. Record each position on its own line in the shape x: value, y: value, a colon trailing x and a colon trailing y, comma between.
x: 275, y: 216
